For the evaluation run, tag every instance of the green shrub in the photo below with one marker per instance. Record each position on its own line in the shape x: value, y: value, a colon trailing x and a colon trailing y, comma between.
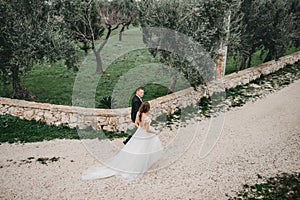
x: 283, y: 186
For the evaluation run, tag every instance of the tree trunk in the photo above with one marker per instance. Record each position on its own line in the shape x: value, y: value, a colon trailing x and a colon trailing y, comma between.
x: 85, y: 48
x: 17, y: 88
x: 99, y: 69
x: 4, y: 82
x: 121, y: 33
x: 219, y: 69
x: 19, y: 92
x: 243, y: 62
x: 249, y: 60
x: 125, y: 25
x: 172, y: 84
x: 269, y: 56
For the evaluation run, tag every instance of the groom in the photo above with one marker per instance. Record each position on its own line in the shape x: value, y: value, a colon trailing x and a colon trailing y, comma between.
x: 135, y: 105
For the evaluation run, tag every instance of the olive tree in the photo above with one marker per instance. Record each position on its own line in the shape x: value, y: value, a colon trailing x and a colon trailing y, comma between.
x: 92, y: 22
x: 202, y: 21
x: 30, y: 32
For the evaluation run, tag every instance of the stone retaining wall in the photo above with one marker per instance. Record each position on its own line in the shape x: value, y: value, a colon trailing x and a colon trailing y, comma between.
x: 119, y: 119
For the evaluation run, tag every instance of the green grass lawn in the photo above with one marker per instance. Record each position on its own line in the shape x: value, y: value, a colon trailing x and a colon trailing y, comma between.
x: 50, y: 83
x: 16, y: 130
x: 54, y: 84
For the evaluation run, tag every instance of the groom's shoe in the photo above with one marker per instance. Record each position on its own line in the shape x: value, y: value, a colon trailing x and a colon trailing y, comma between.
x: 127, y: 139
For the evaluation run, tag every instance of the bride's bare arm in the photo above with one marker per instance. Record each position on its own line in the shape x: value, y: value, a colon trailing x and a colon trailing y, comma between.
x: 147, y: 126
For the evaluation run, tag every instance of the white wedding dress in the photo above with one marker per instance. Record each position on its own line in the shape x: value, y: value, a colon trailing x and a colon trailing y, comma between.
x: 134, y: 159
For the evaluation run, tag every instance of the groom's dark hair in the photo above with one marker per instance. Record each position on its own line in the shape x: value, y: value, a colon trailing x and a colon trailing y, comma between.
x: 139, y: 88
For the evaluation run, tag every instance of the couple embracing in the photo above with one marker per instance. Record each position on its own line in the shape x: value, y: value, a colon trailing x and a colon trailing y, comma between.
x: 142, y: 148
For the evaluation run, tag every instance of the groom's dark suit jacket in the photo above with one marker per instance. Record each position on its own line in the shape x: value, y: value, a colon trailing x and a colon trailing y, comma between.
x: 135, y: 105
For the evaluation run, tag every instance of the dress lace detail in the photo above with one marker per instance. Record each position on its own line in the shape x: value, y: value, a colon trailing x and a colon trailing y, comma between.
x: 145, y: 120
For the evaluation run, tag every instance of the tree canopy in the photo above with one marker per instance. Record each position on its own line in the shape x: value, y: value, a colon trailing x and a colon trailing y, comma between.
x: 202, y: 21
x: 93, y: 20
x: 267, y: 27
x: 30, y: 32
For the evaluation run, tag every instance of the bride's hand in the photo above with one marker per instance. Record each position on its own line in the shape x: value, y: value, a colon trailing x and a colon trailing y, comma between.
x: 152, y: 129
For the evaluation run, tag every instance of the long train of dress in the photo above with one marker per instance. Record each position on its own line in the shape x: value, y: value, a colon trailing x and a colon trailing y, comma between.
x: 134, y: 159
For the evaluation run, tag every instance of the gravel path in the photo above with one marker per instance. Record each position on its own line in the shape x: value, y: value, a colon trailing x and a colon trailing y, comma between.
x: 262, y: 137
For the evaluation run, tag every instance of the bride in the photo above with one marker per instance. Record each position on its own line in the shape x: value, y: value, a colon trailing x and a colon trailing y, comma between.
x: 136, y: 157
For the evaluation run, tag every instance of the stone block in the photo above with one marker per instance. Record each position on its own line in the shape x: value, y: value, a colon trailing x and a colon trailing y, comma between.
x: 29, y: 114
x: 73, y: 118
x: 11, y: 110
x: 19, y: 111
x: 65, y: 118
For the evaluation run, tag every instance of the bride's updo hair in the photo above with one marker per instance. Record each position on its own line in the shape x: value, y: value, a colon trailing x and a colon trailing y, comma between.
x: 144, y: 108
